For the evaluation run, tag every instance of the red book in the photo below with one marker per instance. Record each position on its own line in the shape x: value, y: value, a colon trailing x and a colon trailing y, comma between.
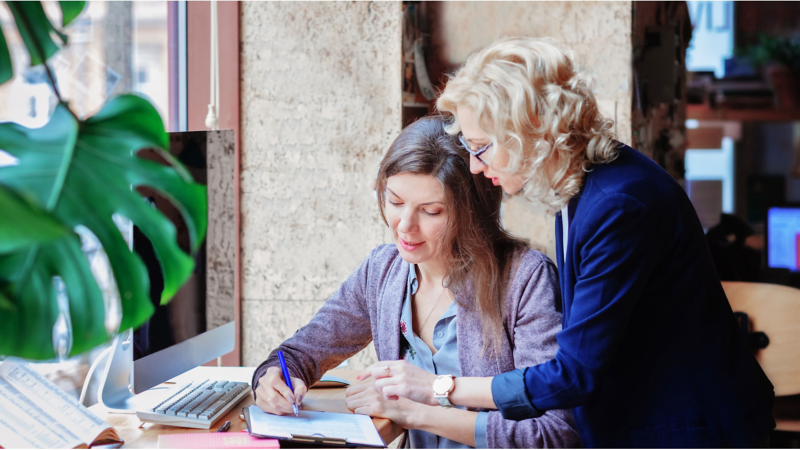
x: 214, y: 440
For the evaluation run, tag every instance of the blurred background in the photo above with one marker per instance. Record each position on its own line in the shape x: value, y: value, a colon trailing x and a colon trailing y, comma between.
x: 316, y: 91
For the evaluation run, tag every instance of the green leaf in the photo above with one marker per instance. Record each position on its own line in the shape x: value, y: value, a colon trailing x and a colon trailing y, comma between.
x: 5, y: 303
x: 6, y: 69
x: 27, y: 329
x: 69, y: 11
x: 25, y: 224
x: 83, y: 172
x: 35, y: 28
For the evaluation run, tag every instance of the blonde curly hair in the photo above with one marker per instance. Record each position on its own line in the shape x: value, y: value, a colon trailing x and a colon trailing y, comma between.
x: 528, y: 97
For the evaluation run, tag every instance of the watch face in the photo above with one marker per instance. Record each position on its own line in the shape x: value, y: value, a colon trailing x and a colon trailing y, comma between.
x: 443, y: 385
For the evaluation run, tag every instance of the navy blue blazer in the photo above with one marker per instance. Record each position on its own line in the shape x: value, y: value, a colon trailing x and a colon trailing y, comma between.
x: 650, y: 354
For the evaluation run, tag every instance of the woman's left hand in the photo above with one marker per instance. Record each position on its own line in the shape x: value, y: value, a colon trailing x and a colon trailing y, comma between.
x: 365, y: 399
x: 395, y: 379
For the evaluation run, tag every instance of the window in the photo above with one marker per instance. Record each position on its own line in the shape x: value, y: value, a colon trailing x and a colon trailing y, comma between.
x: 712, y: 36
x: 114, y: 48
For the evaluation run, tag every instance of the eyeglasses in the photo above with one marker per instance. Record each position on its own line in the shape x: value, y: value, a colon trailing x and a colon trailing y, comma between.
x: 476, y: 153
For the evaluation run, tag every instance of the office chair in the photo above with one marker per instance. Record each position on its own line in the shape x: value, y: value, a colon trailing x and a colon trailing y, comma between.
x: 770, y: 314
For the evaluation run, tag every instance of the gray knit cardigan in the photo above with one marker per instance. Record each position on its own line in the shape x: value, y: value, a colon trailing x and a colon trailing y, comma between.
x: 367, y: 307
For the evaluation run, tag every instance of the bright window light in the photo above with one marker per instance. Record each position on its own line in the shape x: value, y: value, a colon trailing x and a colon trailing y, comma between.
x: 712, y: 37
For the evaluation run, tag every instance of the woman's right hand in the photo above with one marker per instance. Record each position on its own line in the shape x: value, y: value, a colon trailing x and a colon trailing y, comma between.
x: 274, y: 396
x: 396, y: 379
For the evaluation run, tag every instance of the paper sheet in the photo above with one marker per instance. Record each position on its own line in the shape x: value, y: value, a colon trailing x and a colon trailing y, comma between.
x: 25, y: 425
x: 356, y: 428
x: 30, y: 401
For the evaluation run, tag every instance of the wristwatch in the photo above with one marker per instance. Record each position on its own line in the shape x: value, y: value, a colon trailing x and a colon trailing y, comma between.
x: 442, y: 387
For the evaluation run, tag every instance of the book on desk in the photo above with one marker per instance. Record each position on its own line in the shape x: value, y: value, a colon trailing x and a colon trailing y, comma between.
x: 241, y: 439
x: 35, y: 413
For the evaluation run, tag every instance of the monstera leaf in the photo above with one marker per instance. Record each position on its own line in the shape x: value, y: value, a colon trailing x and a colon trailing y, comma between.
x: 83, y: 172
x: 6, y: 70
x: 36, y: 30
x: 70, y: 11
x: 40, y: 226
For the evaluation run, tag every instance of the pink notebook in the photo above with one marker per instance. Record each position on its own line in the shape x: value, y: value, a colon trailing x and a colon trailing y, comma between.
x: 214, y: 440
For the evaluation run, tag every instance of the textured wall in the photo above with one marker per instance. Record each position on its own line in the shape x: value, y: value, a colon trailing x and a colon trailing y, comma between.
x: 320, y: 103
x: 221, y: 236
x: 598, y: 33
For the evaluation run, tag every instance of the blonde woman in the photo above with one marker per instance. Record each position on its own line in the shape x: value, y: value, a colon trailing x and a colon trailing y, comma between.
x: 650, y: 354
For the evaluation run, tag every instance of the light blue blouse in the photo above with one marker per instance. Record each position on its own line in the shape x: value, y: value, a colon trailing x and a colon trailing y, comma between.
x: 444, y: 362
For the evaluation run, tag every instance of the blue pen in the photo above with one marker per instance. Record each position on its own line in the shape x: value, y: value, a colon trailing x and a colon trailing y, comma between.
x: 288, y: 379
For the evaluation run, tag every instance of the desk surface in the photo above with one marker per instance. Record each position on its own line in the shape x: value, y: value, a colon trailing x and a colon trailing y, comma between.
x: 330, y: 400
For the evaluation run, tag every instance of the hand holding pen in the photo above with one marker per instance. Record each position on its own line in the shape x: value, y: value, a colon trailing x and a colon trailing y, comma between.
x: 274, y: 396
x: 288, y: 379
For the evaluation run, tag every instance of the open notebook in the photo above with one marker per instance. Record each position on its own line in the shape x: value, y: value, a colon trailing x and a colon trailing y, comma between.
x: 35, y: 413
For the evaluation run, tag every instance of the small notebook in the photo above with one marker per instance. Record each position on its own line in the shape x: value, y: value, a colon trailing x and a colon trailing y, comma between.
x: 214, y: 440
x: 35, y: 413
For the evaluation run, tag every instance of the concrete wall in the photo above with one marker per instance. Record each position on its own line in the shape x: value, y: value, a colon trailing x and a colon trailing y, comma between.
x: 221, y: 238
x: 598, y: 33
x: 320, y: 103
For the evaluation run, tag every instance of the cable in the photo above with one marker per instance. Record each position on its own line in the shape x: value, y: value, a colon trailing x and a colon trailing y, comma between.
x: 93, y: 367
x: 212, y: 118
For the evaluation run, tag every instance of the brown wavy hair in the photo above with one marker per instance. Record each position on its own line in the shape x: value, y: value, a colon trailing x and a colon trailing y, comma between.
x: 481, y: 252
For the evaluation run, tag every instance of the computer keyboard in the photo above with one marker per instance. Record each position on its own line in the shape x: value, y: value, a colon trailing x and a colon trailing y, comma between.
x: 197, y: 404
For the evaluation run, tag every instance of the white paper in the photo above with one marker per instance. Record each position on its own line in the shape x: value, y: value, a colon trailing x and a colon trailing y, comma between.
x: 356, y: 428
x: 25, y: 425
x: 28, y: 397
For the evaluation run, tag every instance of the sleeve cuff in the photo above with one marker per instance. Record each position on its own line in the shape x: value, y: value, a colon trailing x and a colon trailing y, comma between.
x: 511, y: 396
x: 480, y: 430
x: 257, y: 374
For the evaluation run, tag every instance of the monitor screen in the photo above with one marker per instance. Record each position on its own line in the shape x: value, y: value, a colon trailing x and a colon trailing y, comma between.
x: 198, y: 324
x: 783, y: 237
x: 189, y: 313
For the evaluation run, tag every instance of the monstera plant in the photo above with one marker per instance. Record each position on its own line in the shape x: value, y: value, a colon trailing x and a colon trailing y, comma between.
x: 72, y: 173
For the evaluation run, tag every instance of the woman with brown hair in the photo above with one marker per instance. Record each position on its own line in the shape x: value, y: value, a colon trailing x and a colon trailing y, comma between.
x: 455, y: 295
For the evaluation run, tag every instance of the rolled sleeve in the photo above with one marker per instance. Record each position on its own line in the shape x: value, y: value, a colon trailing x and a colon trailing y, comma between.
x: 480, y: 430
x: 511, y: 397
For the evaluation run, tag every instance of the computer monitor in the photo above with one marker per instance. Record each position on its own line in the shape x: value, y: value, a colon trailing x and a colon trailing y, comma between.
x: 197, y: 325
x: 783, y: 238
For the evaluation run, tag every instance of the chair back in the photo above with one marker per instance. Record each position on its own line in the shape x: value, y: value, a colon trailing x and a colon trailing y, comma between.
x: 774, y: 310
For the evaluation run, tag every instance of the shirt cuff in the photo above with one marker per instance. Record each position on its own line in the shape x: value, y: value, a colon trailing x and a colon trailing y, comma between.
x: 511, y: 396
x: 480, y: 430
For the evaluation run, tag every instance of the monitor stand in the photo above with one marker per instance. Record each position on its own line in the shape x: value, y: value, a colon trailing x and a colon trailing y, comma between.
x: 115, y: 392
x: 118, y: 386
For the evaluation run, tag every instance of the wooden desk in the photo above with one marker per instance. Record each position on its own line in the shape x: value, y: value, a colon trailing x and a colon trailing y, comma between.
x: 329, y: 399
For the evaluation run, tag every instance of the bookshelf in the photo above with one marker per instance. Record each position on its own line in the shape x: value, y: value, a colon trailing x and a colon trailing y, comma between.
x: 703, y: 112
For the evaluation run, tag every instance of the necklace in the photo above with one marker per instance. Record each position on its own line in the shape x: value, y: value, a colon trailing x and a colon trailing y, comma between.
x: 421, y: 327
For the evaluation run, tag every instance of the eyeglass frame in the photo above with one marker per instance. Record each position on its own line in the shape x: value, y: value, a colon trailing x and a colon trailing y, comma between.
x: 476, y: 153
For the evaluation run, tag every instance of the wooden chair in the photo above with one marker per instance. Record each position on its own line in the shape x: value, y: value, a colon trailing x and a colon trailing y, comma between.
x: 775, y: 311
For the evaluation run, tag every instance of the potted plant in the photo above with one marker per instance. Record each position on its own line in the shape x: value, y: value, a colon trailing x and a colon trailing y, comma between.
x: 80, y: 172
x: 780, y: 59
